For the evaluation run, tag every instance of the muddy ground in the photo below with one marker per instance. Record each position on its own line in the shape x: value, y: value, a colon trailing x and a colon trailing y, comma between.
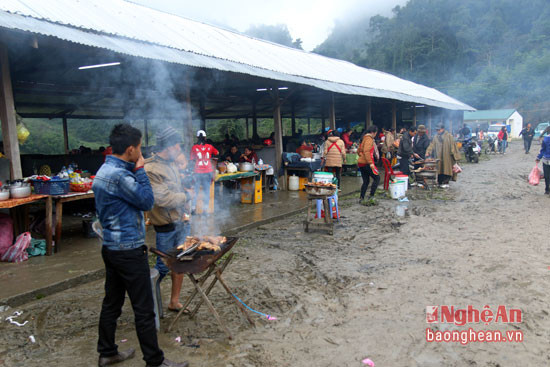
x: 359, y: 294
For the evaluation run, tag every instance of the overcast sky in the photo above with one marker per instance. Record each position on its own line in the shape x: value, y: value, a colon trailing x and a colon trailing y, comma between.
x: 310, y: 20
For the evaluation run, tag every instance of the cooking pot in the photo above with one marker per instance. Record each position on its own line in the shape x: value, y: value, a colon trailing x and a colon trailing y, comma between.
x: 18, y: 192
x: 4, y: 193
x: 246, y: 167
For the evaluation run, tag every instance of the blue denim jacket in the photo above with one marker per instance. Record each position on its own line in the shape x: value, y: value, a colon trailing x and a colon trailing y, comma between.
x: 121, y: 197
x: 545, y: 148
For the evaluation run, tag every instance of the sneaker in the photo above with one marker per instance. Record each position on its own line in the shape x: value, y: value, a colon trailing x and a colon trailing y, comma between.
x: 168, y: 363
x: 120, y: 357
x: 445, y: 186
x: 547, y: 193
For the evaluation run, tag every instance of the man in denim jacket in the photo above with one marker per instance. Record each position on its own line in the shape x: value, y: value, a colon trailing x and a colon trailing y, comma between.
x: 122, y: 192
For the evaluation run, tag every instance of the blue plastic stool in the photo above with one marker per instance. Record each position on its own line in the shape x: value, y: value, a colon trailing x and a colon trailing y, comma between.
x: 332, y: 203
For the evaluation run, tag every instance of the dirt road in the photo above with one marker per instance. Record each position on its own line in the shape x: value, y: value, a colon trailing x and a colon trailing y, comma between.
x: 360, y: 294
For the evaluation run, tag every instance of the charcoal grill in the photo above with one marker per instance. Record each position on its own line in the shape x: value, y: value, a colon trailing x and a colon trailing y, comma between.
x: 204, y: 262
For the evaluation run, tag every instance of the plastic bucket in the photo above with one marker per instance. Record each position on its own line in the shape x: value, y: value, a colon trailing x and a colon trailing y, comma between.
x: 403, y: 178
x: 325, y: 177
x: 398, y: 189
x: 294, y: 183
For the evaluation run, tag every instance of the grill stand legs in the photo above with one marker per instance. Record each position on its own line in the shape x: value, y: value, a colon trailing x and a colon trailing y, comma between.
x: 198, y: 283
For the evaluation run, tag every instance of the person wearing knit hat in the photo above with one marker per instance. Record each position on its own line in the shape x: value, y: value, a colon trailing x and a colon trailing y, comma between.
x: 170, y: 213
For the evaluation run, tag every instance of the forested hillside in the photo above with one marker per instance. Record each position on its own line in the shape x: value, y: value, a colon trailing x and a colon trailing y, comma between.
x: 489, y: 54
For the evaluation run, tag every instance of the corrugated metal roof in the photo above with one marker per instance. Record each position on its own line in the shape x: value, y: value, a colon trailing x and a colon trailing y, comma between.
x: 488, y: 115
x: 135, y: 30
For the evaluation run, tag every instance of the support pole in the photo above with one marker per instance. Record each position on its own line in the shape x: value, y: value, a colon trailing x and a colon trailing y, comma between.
x: 368, y: 119
x: 332, y: 113
x: 146, y: 129
x: 65, y: 135
x: 246, y: 127
x: 429, y: 120
x: 394, y: 116
x: 188, y: 133
x: 7, y: 116
x: 254, y: 121
x: 202, y: 112
x: 308, y: 126
x: 278, y: 128
x: 293, y: 120
x: 414, y: 115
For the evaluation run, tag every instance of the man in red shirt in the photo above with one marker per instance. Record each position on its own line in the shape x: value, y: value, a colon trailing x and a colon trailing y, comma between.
x: 202, y: 154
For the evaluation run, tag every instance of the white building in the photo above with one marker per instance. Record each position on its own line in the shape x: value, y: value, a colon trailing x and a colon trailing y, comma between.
x: 511, y: 118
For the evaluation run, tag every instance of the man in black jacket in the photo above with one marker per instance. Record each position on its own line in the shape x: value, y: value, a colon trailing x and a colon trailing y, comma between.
x: 527, y: 133
x: 405, y: 151
x: 421, y: 142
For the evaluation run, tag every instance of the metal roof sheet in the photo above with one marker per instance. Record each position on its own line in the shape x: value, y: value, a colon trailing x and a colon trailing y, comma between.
x: 136, y: 30
x: 489, y: 114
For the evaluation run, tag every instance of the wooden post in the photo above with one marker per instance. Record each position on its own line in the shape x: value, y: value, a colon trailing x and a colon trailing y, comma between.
x: 323, y: 123
x: 278, y: 128
x: 188, y: 117
x: 308, y: 126
x: 293, y: 120
x: 429, y: 120
x: 368, y: 119
x: 394, y: 116
x: 65, y: 135
x: 146, y: 130
x: 414, y: 115
x: 332, y: 113
x: 254, y: 121
x: 246, y: 127
x: 7, y: 115
x: 202, y: 112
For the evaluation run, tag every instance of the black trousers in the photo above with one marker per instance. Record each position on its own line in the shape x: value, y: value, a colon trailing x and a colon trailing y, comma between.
x: 404, y: 166
x: 366, y: 174
x: 128, y: 271
x: 337, y: 172
x: 546, y: 170
x: 527, y: 145
x: 443, y: 179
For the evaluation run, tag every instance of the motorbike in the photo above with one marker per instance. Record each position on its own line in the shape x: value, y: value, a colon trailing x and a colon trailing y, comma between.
x: 472, y: 150
x: 492, y: 145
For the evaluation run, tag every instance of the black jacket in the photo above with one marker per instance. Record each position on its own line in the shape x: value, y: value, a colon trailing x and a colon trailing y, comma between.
x: 527, y: 134
x: 405, y: 146
x: 421, y: 143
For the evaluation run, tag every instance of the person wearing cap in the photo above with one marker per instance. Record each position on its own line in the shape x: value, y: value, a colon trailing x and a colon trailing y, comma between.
x: 443, y: 147
x: 201, y: 154
x: 421, y: 142
x: 170, y: 214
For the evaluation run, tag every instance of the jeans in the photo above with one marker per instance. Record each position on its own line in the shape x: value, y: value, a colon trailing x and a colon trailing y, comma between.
x: 503, y: 144
x: 366, y: 174
x: 166, y: 241
x: 546, y: 170
x: 202, y: 180
x: 128, y: 271
x: 527, y: 145
x: 337, y: 172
